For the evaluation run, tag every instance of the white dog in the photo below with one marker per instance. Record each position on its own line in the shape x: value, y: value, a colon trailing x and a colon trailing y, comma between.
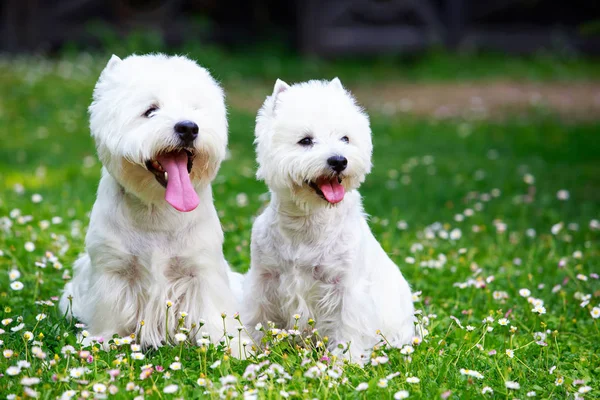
x: 160, y: 128
x: 313, y: 253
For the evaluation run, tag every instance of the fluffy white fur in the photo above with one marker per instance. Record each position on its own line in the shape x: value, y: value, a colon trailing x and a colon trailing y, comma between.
x: 140, y: 251
x: 314, y: 258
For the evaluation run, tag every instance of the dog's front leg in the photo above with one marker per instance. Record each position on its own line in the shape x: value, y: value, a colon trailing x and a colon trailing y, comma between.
x: 116, y: 307
x: 109, y: 290
x: 354, y: 333
x: 210, y: 300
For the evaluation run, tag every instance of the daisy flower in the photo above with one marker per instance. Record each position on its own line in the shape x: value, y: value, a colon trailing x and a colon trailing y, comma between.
x: 470, y: 372
x: 539, y: 309
x: 584, y: 389
x: 14, y: 274
x: 26, y: 381
x: 170, y: 389
x: 383, y: 383
x: 563, y: 195
x: 559, y: 381
x: 12, y: 371
x: 512, y: 385
x: 99, y: 388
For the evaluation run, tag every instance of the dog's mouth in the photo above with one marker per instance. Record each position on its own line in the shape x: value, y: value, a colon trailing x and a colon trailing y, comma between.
x: 172, y: 170
x: 159, y: 172
x: 329, y: 188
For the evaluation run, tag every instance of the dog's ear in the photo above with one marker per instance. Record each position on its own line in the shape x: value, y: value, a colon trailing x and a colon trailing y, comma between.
x: 336, y: 83
x: 113, y: 62
x: 280, y: 87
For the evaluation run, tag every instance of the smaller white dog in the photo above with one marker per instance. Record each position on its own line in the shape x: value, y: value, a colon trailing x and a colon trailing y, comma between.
x: 313, y: 253
x: 154, y: 244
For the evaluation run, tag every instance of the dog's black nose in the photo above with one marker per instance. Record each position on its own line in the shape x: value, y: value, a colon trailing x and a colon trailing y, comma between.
x: 187, y: 131
x: 337, y: 163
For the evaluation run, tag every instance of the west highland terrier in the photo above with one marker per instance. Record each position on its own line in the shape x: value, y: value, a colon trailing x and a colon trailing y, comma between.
x: 313, y: 253
x: 154, y: 243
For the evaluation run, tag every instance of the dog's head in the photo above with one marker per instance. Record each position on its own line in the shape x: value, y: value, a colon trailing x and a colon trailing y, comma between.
x: 160, y: 127
x: 313, y: 142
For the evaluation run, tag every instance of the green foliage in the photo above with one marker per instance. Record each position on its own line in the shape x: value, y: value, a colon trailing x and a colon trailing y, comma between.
x: 266, y: 61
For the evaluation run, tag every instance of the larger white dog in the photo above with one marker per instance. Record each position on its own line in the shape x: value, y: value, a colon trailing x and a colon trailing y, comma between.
x: 154, y: 238
x: 312, y: 250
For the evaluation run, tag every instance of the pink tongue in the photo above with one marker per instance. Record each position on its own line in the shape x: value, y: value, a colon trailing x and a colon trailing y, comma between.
x: 332, y: 190
x: 180, y: 192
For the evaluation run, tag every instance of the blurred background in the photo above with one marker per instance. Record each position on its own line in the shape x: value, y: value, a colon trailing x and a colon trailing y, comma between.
x: 465, y: 96
x: 386, y: 45
x: 326, y: 28
x: 362, y: 41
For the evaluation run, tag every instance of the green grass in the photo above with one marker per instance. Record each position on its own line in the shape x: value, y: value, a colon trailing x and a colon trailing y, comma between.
x: 265, y: 63
x: 427, y: 173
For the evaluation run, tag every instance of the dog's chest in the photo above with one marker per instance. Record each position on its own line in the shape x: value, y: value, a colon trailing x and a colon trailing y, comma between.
x: 311, y: 270
x: 304, y: 257
x: 312, y: 284
x: 171, y: 255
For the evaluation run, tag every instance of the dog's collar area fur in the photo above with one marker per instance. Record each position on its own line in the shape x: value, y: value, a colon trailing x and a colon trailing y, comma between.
x: 290, y: 213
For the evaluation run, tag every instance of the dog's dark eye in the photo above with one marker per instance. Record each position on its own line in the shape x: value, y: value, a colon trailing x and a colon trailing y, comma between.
x: 150, y: 111
x: 307, y: 141
x: 345, y: 139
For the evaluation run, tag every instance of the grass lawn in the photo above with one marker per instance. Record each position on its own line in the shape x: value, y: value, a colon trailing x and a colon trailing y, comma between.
x: 493, y: 222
